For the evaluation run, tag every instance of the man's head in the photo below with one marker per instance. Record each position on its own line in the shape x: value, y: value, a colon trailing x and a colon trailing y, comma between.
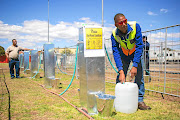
x: 14, y: 41
x: 120, y: 22
x: 144, y: 38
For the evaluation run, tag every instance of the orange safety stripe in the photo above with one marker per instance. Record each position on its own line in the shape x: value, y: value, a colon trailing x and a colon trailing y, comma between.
x: 127, y: 51
x: 132, y: 50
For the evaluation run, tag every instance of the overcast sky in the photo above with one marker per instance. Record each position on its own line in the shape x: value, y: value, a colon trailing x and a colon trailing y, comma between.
x: 27, y: 20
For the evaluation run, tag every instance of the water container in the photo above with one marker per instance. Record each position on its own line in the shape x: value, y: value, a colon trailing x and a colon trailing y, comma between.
x: 126, y: 100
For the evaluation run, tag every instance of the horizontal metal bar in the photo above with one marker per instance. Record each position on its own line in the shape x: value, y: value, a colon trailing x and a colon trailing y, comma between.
x: 161, y: 28
x: 152, y: 91
x: 172, y: 72
x: 111, y: 82
x: 163, y: 93
x: 166, y: 77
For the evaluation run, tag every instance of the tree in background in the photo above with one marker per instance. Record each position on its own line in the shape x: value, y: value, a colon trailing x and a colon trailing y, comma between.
x: 67, y: 52
x: 2, y: 51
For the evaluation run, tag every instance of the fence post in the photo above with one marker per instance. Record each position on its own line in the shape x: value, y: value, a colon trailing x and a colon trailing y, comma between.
x: 165, y: 61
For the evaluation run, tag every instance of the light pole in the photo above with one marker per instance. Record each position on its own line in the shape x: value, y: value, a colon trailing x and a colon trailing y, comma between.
x: 102, y: 15
x: 48, y: 20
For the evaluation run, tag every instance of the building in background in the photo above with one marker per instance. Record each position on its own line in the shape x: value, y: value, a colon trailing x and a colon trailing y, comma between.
x: 65, y: 50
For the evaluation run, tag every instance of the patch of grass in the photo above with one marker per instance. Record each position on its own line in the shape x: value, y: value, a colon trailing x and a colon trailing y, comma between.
x: 29, y: 101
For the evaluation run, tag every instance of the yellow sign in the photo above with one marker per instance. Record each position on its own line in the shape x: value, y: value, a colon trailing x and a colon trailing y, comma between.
x: 94, y: 38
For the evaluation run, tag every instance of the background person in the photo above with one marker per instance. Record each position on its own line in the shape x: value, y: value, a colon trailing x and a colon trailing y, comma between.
x: 146, y: 54
x: 12, y: 54
x: 127, y: 46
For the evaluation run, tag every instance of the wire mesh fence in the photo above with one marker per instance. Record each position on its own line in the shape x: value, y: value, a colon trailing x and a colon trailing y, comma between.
x: 164, y: 60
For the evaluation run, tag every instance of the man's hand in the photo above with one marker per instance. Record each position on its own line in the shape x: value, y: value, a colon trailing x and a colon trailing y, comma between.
x: 121, y: 76
x: 7, y: 56
x: 133, y: 72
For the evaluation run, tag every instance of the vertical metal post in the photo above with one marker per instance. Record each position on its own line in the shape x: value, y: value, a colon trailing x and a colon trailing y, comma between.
x: 91, y: 64
x: 165, y: 61
x: 102, y: 15
x: 48, y: 20
x: 77, y: 67
x: 178, y: 62
x: 34, y: 62
x: 65, y: 58
x: 49, y: 68
x: 161, y: 56
x: 21, y: 57
x: 26, y: 60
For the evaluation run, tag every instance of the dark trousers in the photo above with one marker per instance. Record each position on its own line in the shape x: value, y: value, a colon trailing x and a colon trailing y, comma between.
x: 146, y: 66
x: 12, y: 63
x: 139, y: 79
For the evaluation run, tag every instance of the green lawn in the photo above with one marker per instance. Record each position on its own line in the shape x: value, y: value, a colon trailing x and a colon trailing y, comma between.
x: 29, y: 101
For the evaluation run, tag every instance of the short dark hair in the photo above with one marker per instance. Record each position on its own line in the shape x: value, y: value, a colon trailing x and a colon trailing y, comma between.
x: 118, y: 15
x: 145, y: 37
x: 13, y: 39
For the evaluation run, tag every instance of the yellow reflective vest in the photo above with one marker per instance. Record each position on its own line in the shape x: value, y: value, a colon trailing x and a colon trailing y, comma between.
x: 128, y: 46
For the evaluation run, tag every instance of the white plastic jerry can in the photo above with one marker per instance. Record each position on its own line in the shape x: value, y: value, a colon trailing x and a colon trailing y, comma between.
x: 126, y: 97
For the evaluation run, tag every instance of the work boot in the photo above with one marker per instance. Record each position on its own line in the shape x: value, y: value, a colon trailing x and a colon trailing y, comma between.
x: 12, y: 77
x: 142, y: 106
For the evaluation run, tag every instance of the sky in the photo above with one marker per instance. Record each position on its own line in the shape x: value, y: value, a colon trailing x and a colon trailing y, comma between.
x: 27, y: 20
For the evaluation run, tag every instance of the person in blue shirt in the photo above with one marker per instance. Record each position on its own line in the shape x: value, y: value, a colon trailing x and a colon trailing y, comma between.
x: 146, y: 54
x: 127, y: 46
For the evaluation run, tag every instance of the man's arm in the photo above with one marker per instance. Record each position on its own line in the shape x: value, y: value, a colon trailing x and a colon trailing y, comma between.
x: 116, y: 53
x: 26, y: 49
x: 117, y: 59
x: 7, y: 53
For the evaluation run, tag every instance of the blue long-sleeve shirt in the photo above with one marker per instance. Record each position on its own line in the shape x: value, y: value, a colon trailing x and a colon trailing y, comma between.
x: 118, y: 53
x: 146, y: 49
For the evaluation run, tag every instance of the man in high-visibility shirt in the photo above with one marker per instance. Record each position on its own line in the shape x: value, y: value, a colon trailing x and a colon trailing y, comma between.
x: 127, y: 46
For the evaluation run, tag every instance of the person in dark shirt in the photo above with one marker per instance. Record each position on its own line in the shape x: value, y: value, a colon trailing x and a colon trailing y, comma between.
x: 146, y: 55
